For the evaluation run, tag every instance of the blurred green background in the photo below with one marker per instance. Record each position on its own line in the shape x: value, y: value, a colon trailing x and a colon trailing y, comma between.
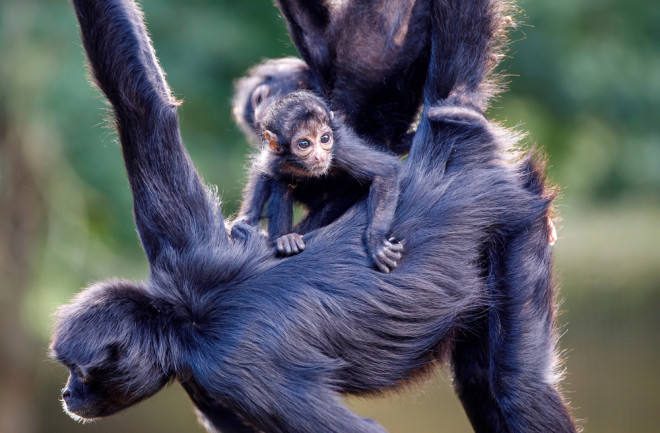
x: 585, y: 81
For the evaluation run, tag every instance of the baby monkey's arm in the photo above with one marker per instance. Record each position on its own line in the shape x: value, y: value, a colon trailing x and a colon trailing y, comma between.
x: 383, y: 171
x: 280, y: 220
x: 257, y: 191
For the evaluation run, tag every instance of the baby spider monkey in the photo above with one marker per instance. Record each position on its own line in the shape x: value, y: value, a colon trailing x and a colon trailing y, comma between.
x: 308, y: 155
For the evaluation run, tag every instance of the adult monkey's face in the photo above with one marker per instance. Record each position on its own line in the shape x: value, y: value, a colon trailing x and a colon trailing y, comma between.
x: 264, y: 84
x: 105, y: 337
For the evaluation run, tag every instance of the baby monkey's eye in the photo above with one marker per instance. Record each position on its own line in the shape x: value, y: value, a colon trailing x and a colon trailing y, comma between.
x: 325, y: 138
x: 304, y: 144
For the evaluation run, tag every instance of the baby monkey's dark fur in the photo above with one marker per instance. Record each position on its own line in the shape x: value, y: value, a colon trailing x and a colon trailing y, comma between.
x: 307, y: 153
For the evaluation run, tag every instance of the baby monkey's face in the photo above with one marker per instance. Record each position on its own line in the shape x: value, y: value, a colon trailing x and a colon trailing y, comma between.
x: 312, y: 145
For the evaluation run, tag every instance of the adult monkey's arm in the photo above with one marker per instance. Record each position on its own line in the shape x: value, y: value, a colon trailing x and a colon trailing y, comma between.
x: 172, y: 206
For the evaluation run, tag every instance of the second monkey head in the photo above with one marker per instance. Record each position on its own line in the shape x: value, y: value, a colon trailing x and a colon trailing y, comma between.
x: 298, y: 128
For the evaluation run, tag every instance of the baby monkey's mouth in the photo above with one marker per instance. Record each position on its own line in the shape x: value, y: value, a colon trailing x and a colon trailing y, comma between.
x: 319, y: 169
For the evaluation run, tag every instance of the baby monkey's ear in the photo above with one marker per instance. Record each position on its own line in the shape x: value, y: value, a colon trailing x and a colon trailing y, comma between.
x: 273, y: 141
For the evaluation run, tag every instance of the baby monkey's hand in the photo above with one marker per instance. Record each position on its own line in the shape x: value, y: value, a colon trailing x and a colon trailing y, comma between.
x: 385, y: 253
x: 290, y: 244
x: 242, y: 230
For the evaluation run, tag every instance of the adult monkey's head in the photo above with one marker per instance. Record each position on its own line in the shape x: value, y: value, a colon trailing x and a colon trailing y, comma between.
x: 110, y: 337
x: 264, y: 84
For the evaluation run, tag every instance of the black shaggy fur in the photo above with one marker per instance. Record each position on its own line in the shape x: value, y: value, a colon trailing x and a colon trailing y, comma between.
x: 268, y: 344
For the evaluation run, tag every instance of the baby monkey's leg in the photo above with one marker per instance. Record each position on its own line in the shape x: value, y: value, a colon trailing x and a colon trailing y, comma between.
x: 382, y: 169
x: 381, y: 203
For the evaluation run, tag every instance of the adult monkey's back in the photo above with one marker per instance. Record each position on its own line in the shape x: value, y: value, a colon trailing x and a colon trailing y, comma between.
x: 258, y: 350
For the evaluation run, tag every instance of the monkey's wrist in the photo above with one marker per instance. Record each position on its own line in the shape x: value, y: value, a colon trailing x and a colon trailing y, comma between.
x: 374, y: 236
x: 249, y: 220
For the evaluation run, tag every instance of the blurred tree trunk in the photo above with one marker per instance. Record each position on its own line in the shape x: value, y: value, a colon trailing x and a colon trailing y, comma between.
x: 21, y: 214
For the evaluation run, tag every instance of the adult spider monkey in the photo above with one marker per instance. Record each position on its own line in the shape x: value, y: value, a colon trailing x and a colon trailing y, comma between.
x: 258, y: 350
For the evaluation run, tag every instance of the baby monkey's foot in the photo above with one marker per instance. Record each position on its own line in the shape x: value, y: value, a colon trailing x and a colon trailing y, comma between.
x: 290, y: 244
x: 386, y: 254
